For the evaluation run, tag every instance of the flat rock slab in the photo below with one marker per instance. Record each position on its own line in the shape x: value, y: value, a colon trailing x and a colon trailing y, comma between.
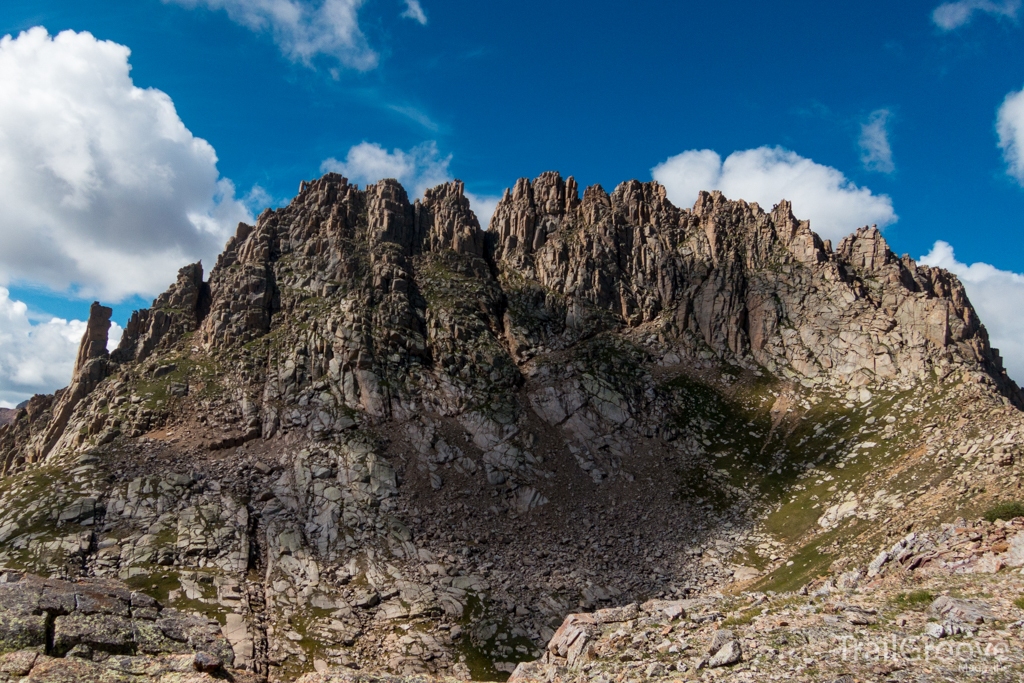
x: 18, y: 663
x: 19, y: 631
x: 115, y: 670
x: 967, y: 611
x: 106, y: 632
x: 137, y: 636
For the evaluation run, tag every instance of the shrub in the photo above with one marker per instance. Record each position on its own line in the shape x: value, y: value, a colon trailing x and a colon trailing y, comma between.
x: 1006, y: 510
x: 914, y: 599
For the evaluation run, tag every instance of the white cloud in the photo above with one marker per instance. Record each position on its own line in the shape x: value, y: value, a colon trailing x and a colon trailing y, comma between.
x: 834, y: 205
x: 414, y: 11
x: 483, y: 206
x: 875, y: 152
x: 37, y: 357
x: 997, y: 295
x: 103, y: 190
x: 951, y: 15
x: 419, y: 169
x: 416, y: 115
x: 258, y: 199
x: 303, y: 29
x: 1010, y: 126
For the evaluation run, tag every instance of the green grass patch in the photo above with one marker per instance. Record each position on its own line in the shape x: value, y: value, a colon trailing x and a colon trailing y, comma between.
x: 743, y: 618
x: 157, y: 583
x: 808, y: 563
x: 917, y: 599
x: 480, y: 647
x: 1006, y: 511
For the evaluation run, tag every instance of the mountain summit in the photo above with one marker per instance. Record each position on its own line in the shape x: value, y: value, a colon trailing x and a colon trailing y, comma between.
x: 379, y: 436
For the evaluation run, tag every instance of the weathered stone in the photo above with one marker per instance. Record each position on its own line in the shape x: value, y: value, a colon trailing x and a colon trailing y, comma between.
x: 377, y: 419
x: 206, y: 662
x: 366, y: 599
x: 730, y: 653
x: 104, y: 632
x: 18, y: 663
x: 94, y: 341
x: 967, y: 611
x: 22, y: 630
x: 719, y: 640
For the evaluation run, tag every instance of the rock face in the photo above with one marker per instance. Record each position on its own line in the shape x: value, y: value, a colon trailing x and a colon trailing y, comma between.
x: 754, y: 285
x: 174, y: 314
x: 91, y: 368
x: 52, y: 630
x: 378, y: 436
x: 94, y: 341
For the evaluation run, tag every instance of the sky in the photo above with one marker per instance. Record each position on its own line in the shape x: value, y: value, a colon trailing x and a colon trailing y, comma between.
x: 136, y: 134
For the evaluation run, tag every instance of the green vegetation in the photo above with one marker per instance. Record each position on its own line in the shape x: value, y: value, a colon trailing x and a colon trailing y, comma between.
x: 1006, y: 510
x: 156, y: 582
x: 33, y: 500
x: 808, y: 563
x: 482, y: 641
x: 199, y: 375
x: 1019, y: 602
x: 795, y: 454
x: 743, y: 618
x: 918, y: 599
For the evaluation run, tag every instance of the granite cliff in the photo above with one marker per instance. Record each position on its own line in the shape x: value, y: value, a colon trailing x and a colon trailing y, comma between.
x: 381, y: 437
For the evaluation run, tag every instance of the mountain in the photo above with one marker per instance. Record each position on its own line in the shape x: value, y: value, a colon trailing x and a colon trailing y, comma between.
x: 379, y: 437
x: 6, y: 416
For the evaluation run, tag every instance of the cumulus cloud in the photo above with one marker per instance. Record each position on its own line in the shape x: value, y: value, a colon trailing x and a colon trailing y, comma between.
x: 875, y: 151
x: 951, y: 15
x: 414, y: 11
x: 1010, y: 127
x: 257, y: 199
x: 103, y: 190
x: 36, y: 356
x: 834, y: 205
x: 304, y: 29
x: 483, y: 206
x: 418, y: 169
x: 997, y: 295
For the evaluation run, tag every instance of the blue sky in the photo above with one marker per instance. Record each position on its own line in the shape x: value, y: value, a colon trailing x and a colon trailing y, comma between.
x: 896, y: 105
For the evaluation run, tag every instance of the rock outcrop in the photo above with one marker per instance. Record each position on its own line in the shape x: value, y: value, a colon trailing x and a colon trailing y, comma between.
x: 91, y: 368
x: 379, y: 436
x: 175, y: 313
x: 99, y: 630
x: 94, y: 341
x: 756, y: 286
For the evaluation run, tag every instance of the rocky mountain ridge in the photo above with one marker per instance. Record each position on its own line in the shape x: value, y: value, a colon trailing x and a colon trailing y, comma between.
x: 379, y: 436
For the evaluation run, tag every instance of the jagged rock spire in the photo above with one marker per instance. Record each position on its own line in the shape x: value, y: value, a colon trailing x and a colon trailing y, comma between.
x: 94, y: 341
